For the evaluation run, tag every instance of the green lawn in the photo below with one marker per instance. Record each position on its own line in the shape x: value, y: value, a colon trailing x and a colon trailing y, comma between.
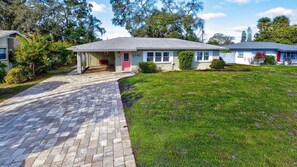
x: 9, y: 90
x: 209, y: 118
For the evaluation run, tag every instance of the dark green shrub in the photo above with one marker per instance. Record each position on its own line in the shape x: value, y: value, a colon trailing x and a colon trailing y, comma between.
x: 269, y: 60
x: 17, y: 74
x: 185, y: 59
x: 217, y: 64
x: 2, y: 72
x: 148, y: 67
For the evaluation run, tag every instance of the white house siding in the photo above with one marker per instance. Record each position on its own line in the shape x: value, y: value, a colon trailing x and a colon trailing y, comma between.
x: 228, y: 57
x: 248, y: 56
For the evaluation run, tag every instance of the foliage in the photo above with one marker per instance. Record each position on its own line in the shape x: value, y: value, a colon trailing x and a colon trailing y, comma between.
x: 213, y: 118
x: 40, y: 53
x: 174, y: 19
x: 269, y: 60
x: 217, y: 64
x: 34, y: 52
x: 226, y: 51
x: 185, y: 59
x: 2, y: 72
x: 243, y: 36
x: 221, y: 39
x: 148, y: 67
x: 277, y: 30
x: 259, y: 57
x: 69, y: 20
x: 18, y: 74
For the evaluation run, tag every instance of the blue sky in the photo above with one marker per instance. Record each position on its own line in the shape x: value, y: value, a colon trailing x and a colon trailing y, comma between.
x: 230, y: 17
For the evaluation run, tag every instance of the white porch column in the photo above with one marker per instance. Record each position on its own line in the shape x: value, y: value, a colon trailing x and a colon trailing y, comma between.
x: 79, y: 67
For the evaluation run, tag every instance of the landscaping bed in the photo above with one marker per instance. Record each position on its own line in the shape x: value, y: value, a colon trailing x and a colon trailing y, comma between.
x: 198, y: 118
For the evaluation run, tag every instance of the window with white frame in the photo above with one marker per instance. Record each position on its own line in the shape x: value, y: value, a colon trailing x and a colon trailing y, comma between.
x: 202, y: 56
x: 240, y: 55
x: 2, y: 53
x: 158, y: 57
x: 150, y: 56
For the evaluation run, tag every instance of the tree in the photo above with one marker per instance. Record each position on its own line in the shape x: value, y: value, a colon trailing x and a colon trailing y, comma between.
x: 60, y: 18
x: 173, y: 19
x: 249, y: 34
x: 33, y: 52
x: 221, y: 39
x: 278, y: 30
x: 243, y: 36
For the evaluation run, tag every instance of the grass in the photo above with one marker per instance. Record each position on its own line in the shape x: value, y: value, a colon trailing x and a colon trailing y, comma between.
x: 214, y: 118
x: 9, y: 90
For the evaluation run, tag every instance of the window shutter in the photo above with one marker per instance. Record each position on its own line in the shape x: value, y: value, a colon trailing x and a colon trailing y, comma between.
x: 171, y: 56
x: 144, y: 56
x: 195, y: 56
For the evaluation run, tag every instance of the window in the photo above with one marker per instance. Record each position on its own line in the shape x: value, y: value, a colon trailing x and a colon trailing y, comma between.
x: 206, y: 56
x: 158, y: 57
x: 165, y: 56
x: 150, y: 56
x: 240, y: 54
x: 2, y: 53
x: 126, y: 56
x: 203, y: 56
x: 199, y: 55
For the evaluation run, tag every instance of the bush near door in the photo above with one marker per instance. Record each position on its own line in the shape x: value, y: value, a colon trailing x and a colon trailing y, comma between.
x: 217, y: 64
x: 269, y: 60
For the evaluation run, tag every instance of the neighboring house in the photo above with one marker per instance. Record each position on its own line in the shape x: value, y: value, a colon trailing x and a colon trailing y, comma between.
x: 7, y: 45
x: 125, y: 53
x: 244, y: 53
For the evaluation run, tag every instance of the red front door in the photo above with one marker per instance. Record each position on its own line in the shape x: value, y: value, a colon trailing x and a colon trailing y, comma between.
x: 278, y: 57
x: 126, y: 61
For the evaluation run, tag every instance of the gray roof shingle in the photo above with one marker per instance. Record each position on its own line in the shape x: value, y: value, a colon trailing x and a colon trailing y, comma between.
x: 136, y: 43
x: 262, y: 45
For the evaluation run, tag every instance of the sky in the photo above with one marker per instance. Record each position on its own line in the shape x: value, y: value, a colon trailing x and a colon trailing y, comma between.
x: 229, y: 17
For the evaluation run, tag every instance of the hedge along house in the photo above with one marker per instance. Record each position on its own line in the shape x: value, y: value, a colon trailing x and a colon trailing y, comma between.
x: 125, y: 53
x: 7, y: 45
x: 244, y: 53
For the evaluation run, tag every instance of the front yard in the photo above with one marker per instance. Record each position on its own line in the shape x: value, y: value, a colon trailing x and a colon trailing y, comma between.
x: 197, y: 118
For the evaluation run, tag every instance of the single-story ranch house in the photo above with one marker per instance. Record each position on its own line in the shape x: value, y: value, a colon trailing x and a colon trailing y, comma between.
x: 7, y: 45
x: 125, y: 53
x: 244, y: 53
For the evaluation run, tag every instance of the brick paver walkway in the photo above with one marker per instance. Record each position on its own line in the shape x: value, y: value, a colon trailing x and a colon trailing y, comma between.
x: 73, y: 120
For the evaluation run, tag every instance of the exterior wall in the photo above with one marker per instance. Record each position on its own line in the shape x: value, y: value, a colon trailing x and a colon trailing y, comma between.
x: 95, y: 57
x: 248, y: 56
x: 205, y: 64
x: 118, y: 62
x: 228, y: 57
x: 173, y: 64
x: 4, y: 45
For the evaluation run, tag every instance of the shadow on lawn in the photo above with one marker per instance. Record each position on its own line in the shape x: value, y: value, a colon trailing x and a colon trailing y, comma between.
x: 50, y: 121
x: 128, y: 96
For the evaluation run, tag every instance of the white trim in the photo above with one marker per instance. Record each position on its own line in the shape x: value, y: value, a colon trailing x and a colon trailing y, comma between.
x: 210, y: 56
x: 154, y: 58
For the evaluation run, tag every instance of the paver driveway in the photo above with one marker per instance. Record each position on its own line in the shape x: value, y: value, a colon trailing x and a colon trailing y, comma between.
x: 68, y: 120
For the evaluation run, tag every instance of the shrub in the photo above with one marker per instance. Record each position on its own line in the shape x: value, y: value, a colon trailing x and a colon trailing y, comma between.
x: 185, y: 59
x: 217, y: 64
x: 259, y: 57
x: 2, y: 72
x: 17, y: 74
x: 148, y: 67
x: 269, y: 60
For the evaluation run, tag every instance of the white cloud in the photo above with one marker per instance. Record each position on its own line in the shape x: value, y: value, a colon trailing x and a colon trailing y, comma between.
x: 208, y: 16
x: 98, y: 7
x: 276, y: 12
